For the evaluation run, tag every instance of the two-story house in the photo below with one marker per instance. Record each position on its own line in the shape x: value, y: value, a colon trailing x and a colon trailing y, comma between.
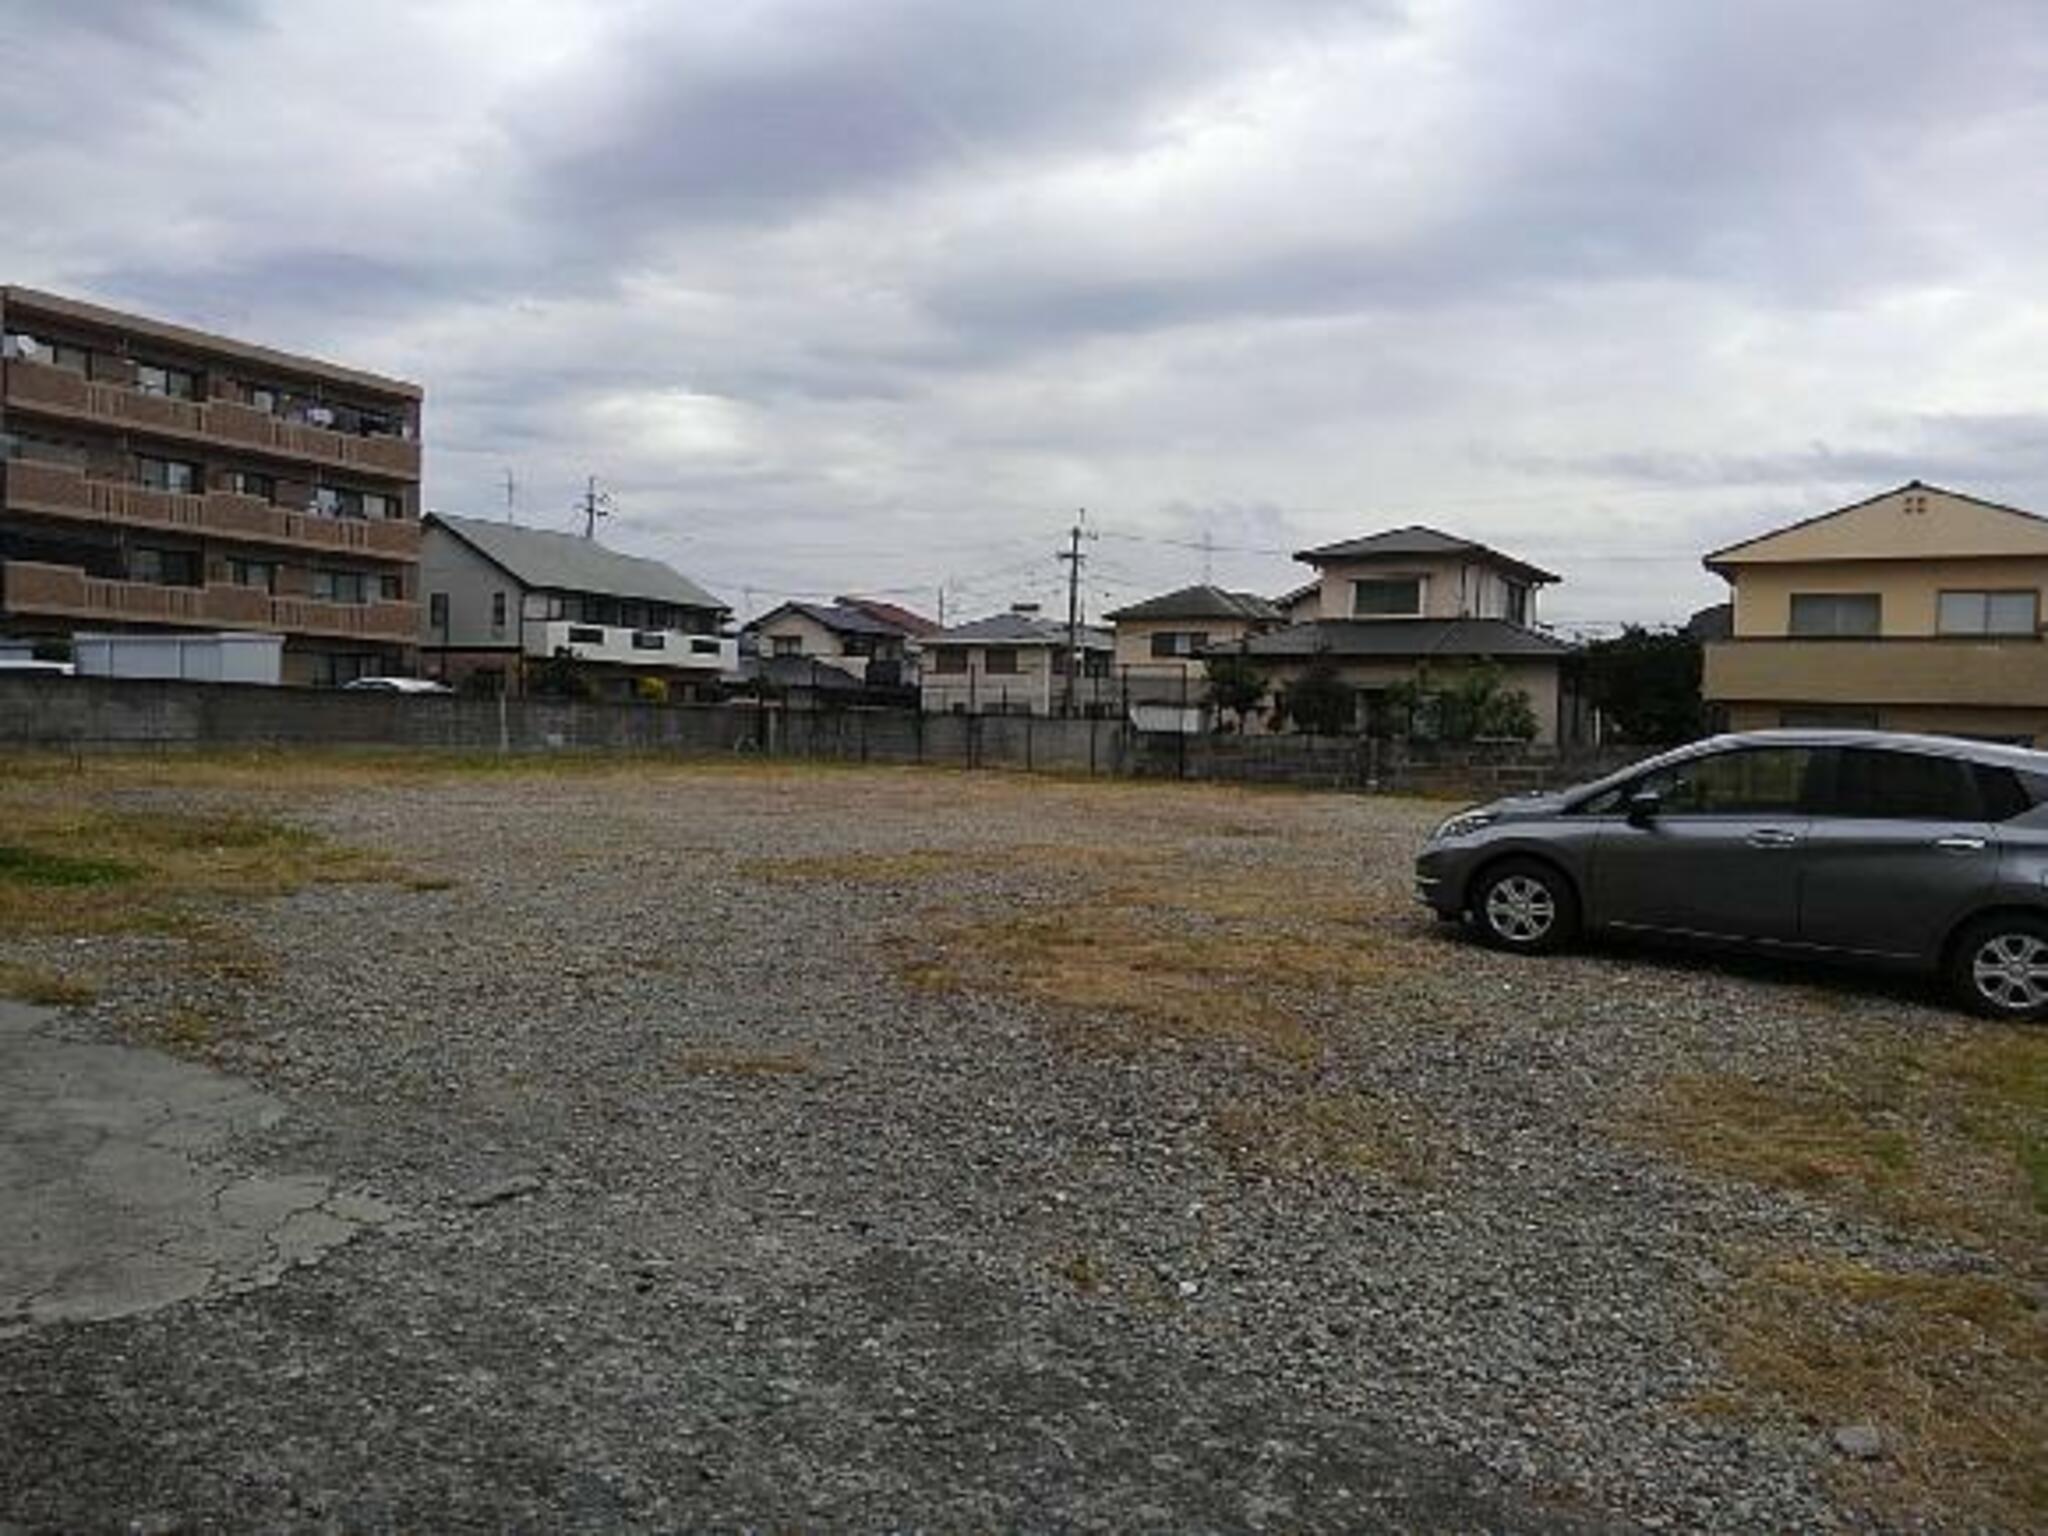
x: 1412, y: 603
x: 1018, y: 663
x: 1917, y: 610
x: 879, y: 644
x: 156, y: 478
x: 1160, y: 642
x: 502, y: 599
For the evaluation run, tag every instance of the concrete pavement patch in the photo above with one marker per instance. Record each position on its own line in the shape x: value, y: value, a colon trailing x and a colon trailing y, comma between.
x: 114, y: 1191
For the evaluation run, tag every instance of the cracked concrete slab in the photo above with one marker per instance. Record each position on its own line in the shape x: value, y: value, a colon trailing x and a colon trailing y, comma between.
x: 114, y: 1194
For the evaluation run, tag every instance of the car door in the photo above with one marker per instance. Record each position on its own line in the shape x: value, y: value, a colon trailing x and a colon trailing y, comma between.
x: 1720, y: 857
x: 1899, y: 847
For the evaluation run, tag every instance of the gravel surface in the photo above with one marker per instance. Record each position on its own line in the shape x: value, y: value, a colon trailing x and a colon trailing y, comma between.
x: 713, y: 1219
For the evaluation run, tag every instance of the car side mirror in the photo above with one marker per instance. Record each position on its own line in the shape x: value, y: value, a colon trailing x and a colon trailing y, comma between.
x: 1643, y: 807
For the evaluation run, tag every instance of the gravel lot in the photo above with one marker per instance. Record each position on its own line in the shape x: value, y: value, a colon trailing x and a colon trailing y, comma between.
x: 743, y: 1188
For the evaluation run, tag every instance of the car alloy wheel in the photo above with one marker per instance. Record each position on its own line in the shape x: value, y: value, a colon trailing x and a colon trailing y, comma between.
x: 1520, y: 909
x: 2010, y: 971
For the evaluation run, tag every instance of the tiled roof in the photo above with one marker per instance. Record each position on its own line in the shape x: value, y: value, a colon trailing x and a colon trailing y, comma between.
x: 1401, y: 638
x: 540, y: 559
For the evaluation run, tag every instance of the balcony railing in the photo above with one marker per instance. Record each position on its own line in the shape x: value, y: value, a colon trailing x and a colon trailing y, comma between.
x: 2011, y: 671
x: 615, y: 645
x: 42, y: 386
x: 64, y: 591
x: 57, y: 490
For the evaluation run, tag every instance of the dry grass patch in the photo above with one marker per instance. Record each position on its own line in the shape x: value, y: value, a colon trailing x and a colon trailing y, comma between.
x: 725, y: 1061
x: 1304, y: 1133
x: 1949, y: 1368
x: 45, y: 989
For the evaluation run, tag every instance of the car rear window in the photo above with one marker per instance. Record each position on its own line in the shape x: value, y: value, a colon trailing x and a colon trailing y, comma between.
x: 1875, y: 785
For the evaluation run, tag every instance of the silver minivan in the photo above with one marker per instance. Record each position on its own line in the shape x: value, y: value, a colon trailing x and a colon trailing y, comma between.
x: 1921, y: 852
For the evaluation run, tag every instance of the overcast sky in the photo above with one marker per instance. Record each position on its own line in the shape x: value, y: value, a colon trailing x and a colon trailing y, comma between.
x: 874, y: 294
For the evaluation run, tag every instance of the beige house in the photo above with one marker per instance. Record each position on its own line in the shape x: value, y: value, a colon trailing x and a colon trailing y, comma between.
x: 1159, y: 642
x: 878, y: 647
x: 1017, y: 663
x: 1917, y: 610
x: 1414, y: 604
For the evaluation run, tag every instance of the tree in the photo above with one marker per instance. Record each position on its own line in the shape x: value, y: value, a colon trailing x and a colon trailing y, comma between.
x: 559, y: 678
x: 1237, y: 686
x: 1320, y: 701
x: 1473, y: 703
x: 1647, y: 683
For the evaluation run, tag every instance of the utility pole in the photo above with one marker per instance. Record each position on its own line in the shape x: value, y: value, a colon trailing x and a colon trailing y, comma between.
x: 511, y: 489
x: 1208, y: 558
x: 1074, y: 560
x: 596, y: 504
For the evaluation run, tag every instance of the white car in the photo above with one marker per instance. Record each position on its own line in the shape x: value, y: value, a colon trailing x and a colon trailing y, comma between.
x: 396, y: 685
x: 44, y: 668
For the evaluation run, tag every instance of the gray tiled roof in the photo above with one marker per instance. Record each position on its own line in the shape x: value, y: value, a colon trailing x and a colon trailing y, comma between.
x: 835, y: 617
x: 1417, y: 540
x: 560, y: 562
x: 1402, y: 638
x: 1019, y: 629
x: 1200, y: 602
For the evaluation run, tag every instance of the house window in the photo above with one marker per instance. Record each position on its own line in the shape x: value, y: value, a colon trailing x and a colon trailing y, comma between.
x: 437, y: 610
x: 1095, y: 664
x: 165, y: 567
x: 171, y: 383
x: 246, y: 482
x: 261, y: 398
x: 1989, y: 613
x: 999, y: 660
x: 1515, y: 607
x: 375, y: 505
x: 702, y: 647
x: 858, y: 645
x: 786, y: 645
x: 1398, y: 597
x: 949, y: 658
x: 585, y: 635
x: 497, y: 613
x: 391, y: 587
x: 1170, y: 642
x: 168, y: 475
x: 261, y: 574
x: 1836, y: 613
x: 341, y: 586
x: 649, y: 640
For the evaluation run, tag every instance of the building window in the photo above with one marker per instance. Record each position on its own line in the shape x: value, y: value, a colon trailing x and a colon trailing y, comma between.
x: 391, y: 587
x: 437, y: 610
x: 1989, y: 613
x: 168, y: 475
x: 1515, y: 607
x: 261, y: 574
x: 702, y: 647
x: 1000, y: 661
x: 497, y: 613
x: 377, y: 505
x: 166, y: 567
x: 1836, y: 613
x: 584, y: 635
x: 1171, y: 642
x: 1398, y: 597
x: 341, y: 586
x: 262, y: 398
x: 649, y: 640
x: 785, y: 645
x: 949, y: 659
x: 171, y: 383
x: 858, y: 645
x: 333, y: 668
x: 247, y: 482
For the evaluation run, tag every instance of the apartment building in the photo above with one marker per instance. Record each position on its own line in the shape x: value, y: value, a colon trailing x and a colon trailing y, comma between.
x: 1916, y: 610
x: 502, y: 600
x: 158, y: 478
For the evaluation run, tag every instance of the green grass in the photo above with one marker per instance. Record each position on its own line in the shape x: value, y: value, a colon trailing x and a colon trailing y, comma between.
x: 35, y: 866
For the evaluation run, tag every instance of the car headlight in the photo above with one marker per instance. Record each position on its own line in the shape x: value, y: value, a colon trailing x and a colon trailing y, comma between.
x: 1462, y: 825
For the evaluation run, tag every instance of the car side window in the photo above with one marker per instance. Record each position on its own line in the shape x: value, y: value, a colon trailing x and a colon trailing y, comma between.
x: 1878, y: 784
x: 1755, y: 781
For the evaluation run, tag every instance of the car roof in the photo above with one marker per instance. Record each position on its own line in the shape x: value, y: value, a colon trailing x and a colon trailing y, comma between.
x: 1997, y: 753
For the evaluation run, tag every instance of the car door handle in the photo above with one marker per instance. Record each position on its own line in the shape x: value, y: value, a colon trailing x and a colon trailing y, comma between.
x: 1771, y: 837
x: 1960, y: 844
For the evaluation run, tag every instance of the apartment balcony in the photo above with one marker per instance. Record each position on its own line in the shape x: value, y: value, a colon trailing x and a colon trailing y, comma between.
x: 58, y: 391
x: 653, y: 649
x: 57, y: 490
x: 64, y: 591
x: 2009, y: 672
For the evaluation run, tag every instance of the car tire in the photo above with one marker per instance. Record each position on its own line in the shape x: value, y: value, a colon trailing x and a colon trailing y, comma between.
x: 1998, y: 967
x: 1525, y: 906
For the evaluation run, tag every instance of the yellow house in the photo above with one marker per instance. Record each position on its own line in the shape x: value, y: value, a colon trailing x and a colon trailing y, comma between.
x: 1917, y: 610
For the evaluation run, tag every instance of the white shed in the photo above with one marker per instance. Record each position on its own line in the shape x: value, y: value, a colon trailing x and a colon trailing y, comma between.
x: 202, y: 658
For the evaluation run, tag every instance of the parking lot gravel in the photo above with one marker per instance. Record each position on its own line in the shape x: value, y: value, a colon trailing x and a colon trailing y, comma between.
x: 718, y: 1210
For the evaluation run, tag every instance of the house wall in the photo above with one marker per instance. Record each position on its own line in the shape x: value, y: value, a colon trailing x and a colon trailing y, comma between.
x: 447, y: 564
x: 1540, y: 679
x: 1030, y: 687
x: 1134, y: 645
x: 2025, y: 726
x: 1909, y: 589
x: 1453, y: 587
